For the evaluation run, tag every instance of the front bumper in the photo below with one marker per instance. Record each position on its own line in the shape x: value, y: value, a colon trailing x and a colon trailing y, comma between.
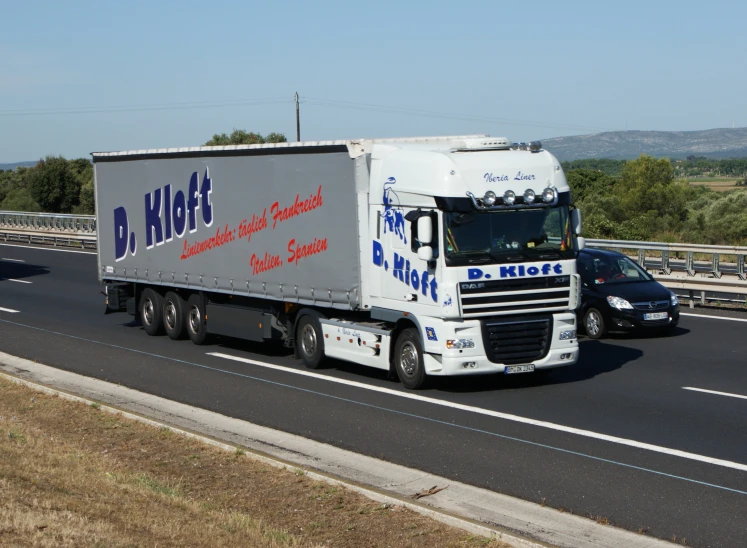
x: 475, y: 361
x: 634, y: 319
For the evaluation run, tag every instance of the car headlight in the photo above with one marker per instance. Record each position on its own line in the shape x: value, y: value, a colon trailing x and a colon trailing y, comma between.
x: 617, y: 302
x: 459, y: 344
x: 674, y: 300
x: 567, y: 335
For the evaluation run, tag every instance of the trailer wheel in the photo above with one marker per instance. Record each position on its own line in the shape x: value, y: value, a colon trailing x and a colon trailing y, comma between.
x: 173, y: 315
x: 151, y: 311
x: 195, y: 320
x: 310, y: 341
x: 408, y: 359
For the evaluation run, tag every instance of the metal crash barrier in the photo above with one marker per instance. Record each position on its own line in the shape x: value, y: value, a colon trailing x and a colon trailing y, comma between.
x: 690, y: 268
x: 48, y: 229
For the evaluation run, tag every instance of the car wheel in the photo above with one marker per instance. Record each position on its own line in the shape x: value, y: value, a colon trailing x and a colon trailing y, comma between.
x: 594, y: 324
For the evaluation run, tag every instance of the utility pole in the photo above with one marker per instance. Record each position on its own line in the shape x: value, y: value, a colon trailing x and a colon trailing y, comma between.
x: 298, y: 119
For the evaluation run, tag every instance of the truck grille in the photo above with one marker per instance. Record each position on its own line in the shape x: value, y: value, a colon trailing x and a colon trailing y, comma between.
x: 520, y: 340
x: 492, y: 298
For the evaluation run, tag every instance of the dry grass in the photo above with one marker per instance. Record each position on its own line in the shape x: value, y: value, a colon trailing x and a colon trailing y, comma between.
x: 74, y: 475
x: 720, y: 184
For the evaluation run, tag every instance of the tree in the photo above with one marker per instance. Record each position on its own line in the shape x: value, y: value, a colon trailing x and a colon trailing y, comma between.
x: 54, y: 185
x: 241, y: 137
x: 588, y: 183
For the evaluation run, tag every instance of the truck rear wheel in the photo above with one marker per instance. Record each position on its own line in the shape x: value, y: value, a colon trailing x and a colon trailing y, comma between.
x: 408, y: 359
x: 173, y: 315
x: 310, y: 341
x: 151, y: 311
x: 195, y: 320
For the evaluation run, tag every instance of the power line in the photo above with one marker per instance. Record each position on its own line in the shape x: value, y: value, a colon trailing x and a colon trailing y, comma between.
x: 142, y: 108
x: 444, y: 115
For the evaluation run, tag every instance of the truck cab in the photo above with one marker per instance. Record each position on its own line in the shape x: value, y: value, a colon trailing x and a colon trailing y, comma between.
x: 475, y: 241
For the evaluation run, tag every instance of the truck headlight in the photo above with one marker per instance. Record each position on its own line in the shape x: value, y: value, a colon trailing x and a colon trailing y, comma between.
x: 459, y: 344
x: 567, y: 335
x: 617, y: 302
x: 674, y: 300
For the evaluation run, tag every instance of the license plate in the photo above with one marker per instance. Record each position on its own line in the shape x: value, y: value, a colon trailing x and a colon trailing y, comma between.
x: 656, y: 316
x: 511, y: 369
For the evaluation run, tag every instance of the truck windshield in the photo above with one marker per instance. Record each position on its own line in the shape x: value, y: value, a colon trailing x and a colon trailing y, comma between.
x: 507, y: 236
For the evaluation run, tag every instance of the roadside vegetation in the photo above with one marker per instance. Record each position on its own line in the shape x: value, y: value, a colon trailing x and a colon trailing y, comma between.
x: 644, y: 199
x: 76, y: 475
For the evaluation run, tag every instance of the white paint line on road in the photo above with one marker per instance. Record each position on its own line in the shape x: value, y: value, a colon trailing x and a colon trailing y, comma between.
x: 19, y: 281
x: 713, y: 317
x: 51, y: 249
x: 13, y: 260
x: 10, y: 310
x: 496, y: 414
x: 716, y: 392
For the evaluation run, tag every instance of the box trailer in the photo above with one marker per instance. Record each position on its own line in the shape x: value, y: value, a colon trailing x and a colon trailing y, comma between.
x: 425, y: 256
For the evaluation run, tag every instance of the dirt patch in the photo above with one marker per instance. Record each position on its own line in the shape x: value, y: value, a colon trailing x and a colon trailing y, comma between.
x: 74, y: 475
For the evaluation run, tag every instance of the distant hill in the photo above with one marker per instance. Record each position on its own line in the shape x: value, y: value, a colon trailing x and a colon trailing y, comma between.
x: 6, y: 167
x: 624, y: 145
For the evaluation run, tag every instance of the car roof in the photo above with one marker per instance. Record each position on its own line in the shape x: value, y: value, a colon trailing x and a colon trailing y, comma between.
x: 593, y: 253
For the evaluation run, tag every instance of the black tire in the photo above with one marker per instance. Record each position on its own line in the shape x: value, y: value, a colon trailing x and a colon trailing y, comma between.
x: 408, y: 359
x: 151, y: 311
x: 594, y: 324
x: 194, y: 320
x: 310, y: 341
x: 173, y: 315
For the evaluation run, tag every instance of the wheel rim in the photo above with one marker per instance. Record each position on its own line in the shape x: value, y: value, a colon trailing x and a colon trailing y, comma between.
x: 308, y: 340
x: 408, y: 359
x: 148, y: 311
x: 195, y: 320
x: 171, y: 315
x: 593, y: 323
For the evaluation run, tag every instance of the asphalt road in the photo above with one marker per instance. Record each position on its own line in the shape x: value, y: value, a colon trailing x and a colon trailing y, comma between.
x: 616, y: 436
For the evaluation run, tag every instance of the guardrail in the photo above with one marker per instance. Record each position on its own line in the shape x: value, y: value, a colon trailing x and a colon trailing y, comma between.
x: 48, y: 229
x: 681, y: 267
x: 677, y: 266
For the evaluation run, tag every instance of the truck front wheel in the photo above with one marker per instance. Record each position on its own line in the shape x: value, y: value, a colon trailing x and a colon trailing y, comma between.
x: 151, y: 311
x: 196, y: 323
x: 310, y: 341
x: 173, y: 315
x: 408, y: 359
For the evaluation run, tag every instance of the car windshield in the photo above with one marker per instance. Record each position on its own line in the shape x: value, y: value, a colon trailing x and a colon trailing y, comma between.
x: 606, y: 270
x: 507, y: 236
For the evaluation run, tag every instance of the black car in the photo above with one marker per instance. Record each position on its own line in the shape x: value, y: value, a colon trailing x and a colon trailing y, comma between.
x: 618, y: 294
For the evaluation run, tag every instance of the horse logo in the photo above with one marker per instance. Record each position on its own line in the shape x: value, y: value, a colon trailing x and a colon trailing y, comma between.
x: 394, y: 218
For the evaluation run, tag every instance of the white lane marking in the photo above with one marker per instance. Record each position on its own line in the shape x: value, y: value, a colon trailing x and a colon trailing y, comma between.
x: 51, y: 249
x: 715, y: 392
x: 496, y: 414
x: 8, y: 310
x: 19, y: 281
x: 713, y: 317
x: 13, y: 260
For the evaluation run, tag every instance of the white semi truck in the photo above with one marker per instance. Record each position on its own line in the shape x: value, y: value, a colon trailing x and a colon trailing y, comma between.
x: 424, y: 256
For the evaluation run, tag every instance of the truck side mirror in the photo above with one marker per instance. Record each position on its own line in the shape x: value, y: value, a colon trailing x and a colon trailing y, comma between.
x: 580, y: 243
x: 425, y: 230
x: 576, y: 221
x: 425, y: 253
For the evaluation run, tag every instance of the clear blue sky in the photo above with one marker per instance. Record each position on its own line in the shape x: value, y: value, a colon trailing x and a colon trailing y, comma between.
x: 525, y: 70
